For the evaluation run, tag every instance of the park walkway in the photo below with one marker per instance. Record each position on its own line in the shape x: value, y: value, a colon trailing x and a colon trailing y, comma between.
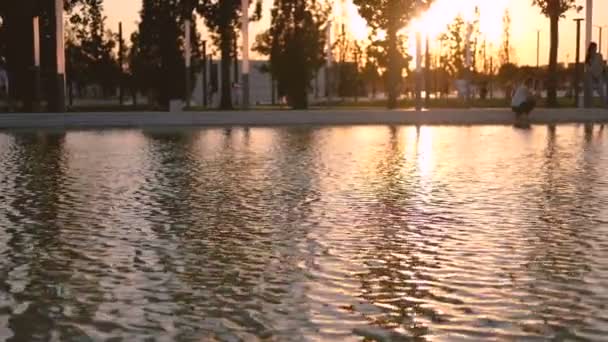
x: 284, y: 117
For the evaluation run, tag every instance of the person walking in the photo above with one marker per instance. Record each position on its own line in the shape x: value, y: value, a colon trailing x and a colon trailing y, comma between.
x: 596, y: 68
x: 4, y: 84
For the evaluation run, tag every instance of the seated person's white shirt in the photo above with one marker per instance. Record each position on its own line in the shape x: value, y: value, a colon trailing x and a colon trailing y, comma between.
x: 522, y: 94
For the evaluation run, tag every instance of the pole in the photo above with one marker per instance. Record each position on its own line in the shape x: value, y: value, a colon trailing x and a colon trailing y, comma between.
x: 589, y: 23
x: 59, y: 101
x: 537, y: 49
x: 36, y: 95
x: 468, y: 62
x: 329, y: 58
x: 357, y: 53
x: 121, y: 97
x: 600, y: 40
x: 187, y: 57
x: 577, y: 62
x: 491, y: 77
x: 235, y: 61
x: 245, y: 67
x: 418, y: 72
x: 427, y: 75
x: 205, y: 73
x: 588, y: 37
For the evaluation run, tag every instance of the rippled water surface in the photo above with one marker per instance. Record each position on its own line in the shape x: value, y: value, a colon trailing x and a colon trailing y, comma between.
x: 290, y: 234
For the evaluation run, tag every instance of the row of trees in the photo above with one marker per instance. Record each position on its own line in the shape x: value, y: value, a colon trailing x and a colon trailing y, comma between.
x: 294, y: 43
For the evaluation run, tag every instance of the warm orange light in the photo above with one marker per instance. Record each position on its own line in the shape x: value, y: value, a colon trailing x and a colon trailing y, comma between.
x: 434, y: 22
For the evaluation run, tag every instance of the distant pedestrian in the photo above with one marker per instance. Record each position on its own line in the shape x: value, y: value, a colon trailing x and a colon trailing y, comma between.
x: 523, y: 101
x: 595, y: 66
x: 236, y: 92
x: 4, y: 83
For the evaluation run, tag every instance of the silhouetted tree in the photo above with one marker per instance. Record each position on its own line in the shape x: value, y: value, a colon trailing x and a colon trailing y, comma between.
x: 454, y: 39
x: 223, y: 19
x: 90, y: 48
x: 157, y: 56
x: 506, y: 50
x: 295, y: 43
x: 390, y: 16
x: 554, y: 10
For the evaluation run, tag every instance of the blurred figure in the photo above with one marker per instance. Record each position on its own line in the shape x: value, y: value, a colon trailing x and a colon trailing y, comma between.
x: 523, y: 101
x: 594, y: 63
x: 4, y: 83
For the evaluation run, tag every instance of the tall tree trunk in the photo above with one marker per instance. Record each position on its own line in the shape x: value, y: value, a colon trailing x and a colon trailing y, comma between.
x: 393, y: 71
x: 552, y: 78
x: 226, y: 47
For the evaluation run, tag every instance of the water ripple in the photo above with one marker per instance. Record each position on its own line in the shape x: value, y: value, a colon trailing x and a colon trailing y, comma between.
x: 346, y: 233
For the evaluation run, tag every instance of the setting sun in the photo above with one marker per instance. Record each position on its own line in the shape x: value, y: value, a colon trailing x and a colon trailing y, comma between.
x: 435, y: 21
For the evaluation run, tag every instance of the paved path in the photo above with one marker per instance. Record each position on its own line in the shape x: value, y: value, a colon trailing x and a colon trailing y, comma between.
x: 313, y: 117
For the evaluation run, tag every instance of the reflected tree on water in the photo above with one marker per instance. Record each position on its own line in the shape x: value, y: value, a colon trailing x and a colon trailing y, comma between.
x: 45, y: 280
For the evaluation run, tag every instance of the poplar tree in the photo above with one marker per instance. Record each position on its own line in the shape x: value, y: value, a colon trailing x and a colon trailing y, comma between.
x: 222, y: 17
x: 295, y: 44
x: 390, y: 16
x: 554, y: 10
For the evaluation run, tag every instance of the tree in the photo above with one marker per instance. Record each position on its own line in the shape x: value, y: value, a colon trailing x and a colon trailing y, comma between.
x: 506, y: 50
x: 90, y: 48
x: 295, y: 43
x: 390, y: 16
x: 157, y: 56
x: 554, y: 10
x: 223, y: 19
x: 454, y: 39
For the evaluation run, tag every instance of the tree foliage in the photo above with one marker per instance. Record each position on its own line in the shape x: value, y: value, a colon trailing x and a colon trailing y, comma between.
x: 459, y: 37
x: 389, y: 17
x: 157, y: 57
x: 90, y: 48
x: 295, y: 44
x: 453, y: 58
x: 554, y: 10
x: 222, y: 17
x: 506, y: 50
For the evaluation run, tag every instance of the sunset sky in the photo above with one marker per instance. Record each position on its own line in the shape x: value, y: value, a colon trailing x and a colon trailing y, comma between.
x: 526, y: 20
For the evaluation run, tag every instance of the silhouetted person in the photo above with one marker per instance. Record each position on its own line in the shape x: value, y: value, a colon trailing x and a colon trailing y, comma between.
x: 594, y: 63
x: 4, y: 84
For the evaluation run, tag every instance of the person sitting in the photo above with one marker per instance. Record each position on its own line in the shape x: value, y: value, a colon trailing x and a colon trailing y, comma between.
x: 523, y: 101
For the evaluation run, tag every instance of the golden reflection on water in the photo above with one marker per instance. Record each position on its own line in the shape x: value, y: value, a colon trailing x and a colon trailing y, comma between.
x: 305, y: 233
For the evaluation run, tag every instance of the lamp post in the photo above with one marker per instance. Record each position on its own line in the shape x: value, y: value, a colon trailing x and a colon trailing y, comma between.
x: 58, y: 103
x: 588, y: 37
x: 188, y: 57
x: 600, y: 29
x: 204, y: 73
x: 418, y: 71
x: 537, y: 49
x: 120, y: 65
x: 418, y: 64
x: 245, y: 63
x: 329, y: 57
x: 427, y: 73
x: 36, y: 29
x: 589, y: 22
x: 577, y: 61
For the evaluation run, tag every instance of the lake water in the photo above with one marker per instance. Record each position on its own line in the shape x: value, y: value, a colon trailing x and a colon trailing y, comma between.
x: 291, y: 234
